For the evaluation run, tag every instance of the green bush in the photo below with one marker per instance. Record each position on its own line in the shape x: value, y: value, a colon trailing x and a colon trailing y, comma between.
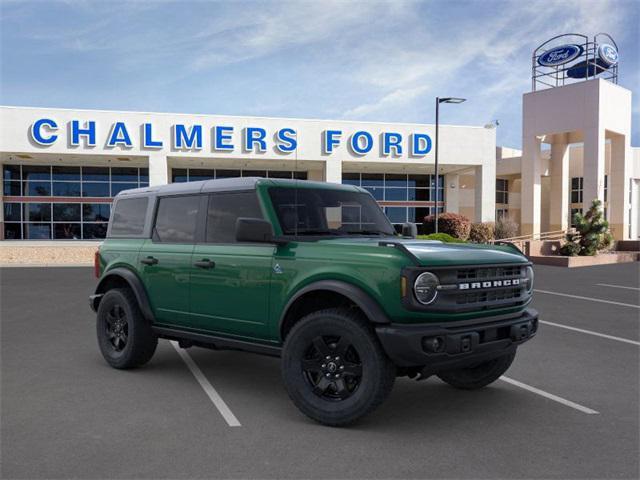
x: 592, y: 233
x: 443, y: 237
x: 453, y: 224
x: 482, y: 232
x: 506, y: 228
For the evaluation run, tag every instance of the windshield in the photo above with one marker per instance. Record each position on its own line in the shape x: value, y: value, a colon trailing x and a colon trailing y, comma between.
x: 328, y: 212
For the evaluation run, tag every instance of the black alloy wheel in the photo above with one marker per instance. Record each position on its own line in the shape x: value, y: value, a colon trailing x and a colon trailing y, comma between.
x: 117, y: 327
x: 332, y: 367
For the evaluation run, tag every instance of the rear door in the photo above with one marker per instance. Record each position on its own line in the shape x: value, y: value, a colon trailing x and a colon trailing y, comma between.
x: 230, y: 281
x: 165, y: 259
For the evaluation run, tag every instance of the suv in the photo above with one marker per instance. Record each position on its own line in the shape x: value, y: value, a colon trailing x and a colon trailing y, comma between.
x: 311, y: 272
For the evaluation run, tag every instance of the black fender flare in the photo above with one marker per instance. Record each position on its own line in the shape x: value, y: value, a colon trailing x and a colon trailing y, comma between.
x: 363, y: 300
x: 134, y: 283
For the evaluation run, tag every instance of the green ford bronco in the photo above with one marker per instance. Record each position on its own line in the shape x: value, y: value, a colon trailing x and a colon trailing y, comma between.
x: 313, y: 273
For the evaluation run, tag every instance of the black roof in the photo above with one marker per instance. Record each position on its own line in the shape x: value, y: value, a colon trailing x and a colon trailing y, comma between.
x: 225, y: 185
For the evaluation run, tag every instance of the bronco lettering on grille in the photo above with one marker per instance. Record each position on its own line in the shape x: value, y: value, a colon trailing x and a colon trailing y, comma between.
x: 489, y: 284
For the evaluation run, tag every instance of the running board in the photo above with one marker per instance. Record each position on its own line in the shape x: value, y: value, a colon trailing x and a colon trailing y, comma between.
x: 215, y: 342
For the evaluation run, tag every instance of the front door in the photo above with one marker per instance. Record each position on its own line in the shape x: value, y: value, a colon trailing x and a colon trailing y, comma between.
x: 230, y: 281
x: 165, y: 259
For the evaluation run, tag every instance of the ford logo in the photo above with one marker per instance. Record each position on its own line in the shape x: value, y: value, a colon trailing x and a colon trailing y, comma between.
x: 608, y: 54
x: 560, y: 55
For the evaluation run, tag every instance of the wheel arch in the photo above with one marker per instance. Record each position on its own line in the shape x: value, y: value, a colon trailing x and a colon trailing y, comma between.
x: 123, y: 277
x: 336, y: 291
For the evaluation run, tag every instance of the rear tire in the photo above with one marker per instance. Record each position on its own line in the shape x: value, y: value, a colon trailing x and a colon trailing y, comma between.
x: 479, y: 376
x: 334, y: 368
x: 125, y: 338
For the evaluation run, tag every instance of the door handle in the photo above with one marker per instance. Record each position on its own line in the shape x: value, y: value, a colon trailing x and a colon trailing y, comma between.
x: 205, y: 263
x: 149, y: 261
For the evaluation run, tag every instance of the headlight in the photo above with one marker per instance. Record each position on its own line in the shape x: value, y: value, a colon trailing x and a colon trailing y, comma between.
x: 425, y: 288
x: 529, y: 274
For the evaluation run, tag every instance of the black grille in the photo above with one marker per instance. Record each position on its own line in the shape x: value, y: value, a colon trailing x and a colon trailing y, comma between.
x: 490, y: 296
x: 492, y: 272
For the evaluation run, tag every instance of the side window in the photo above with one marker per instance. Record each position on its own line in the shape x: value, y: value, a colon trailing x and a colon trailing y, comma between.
x: 224, y: 210
x: 128, y: 217
x: 176, y: 219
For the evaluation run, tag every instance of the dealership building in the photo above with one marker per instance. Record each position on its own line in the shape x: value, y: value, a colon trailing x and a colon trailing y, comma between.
x: 62, y: 167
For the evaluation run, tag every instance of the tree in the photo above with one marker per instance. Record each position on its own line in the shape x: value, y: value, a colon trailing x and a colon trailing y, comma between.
x: 592, y: 233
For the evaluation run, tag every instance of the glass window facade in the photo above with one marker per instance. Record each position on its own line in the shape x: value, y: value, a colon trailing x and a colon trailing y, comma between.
x: 76, y: 201
x: 196, y: 174
x: 502, y: 190
x: 576, y: 190
x: 417, y: 191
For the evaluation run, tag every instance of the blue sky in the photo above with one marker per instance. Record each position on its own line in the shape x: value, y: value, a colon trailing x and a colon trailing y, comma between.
x: 365, y: 60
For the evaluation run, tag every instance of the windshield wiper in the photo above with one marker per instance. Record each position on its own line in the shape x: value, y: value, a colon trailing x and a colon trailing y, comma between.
x: 368, y: 232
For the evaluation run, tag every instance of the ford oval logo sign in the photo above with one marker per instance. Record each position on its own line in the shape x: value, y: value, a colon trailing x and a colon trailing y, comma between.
x: 608, y: 54
x: 560, y: 55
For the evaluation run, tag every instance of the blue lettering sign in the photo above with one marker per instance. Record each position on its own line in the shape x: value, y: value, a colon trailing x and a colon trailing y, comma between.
x: 255, y: 136
x: 119, y: 136
x: 147, y: 137
x: 89, y: 131
x: 37, y: 134
x: 222, y: 137
x: 420, y: 144
x: 359, y: 147
x: 286, y: 140
x: 186, y: 139
x: 331, y: 139
x: 391, y: 140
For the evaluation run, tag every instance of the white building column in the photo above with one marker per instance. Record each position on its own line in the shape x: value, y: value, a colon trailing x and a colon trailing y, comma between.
x: 531, y: 186
x: 158, y: 169
x: 559, y: 204
x: 333, y: 170
x: 452, y: 195
x: 618, y: 188
x: 593, y: 167
x: 485, y: 192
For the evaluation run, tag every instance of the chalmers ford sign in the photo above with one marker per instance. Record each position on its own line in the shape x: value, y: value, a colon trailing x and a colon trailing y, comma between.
x: 221, y: 138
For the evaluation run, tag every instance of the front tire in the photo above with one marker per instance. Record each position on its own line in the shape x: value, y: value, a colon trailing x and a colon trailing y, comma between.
x: 334, y: 368
x: 124, y: 336
x: 480, y: 375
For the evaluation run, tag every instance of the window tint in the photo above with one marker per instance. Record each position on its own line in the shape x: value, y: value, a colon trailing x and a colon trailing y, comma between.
x: 128, y: 216
x: 224, y: 210
x: 176, y: 219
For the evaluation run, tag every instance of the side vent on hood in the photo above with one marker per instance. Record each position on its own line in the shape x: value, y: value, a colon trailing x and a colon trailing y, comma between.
x: 400, y: 246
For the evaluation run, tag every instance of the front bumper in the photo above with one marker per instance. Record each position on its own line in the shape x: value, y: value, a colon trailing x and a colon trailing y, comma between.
x: 454, y: 345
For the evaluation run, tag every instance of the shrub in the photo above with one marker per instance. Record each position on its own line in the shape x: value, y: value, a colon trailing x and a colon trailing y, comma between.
x: 482, y: 232
x: 443, y: 237
x: 505, y: 228
x: 454, y: 224
x: 592, y: 233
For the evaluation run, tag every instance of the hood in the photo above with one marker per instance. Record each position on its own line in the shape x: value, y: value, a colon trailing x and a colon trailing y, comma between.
x: 436, y: 253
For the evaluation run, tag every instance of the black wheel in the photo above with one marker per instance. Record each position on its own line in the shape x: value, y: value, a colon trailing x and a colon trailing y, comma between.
x: 480, y: 375
x: 124, y: 336
x: 334, y: 368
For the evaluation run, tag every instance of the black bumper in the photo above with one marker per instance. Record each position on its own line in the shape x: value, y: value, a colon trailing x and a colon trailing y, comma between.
x: 456, y: 344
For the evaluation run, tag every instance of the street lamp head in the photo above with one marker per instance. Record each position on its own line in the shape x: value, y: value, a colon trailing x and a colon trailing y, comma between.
x: 451, y: 100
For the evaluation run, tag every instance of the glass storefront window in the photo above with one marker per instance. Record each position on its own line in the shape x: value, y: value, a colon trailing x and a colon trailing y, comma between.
x: 69, y: 231
x: 12, y: 212
x: 95, y: 174
x: 37, y: 231
x: 37, y: 189
x: 116, y: 188
x: 36, y: 172
x: 66, y: 212
x: 12, y: 189
x: 37, y: 212
x: 13, y: 231
x: 66, y: 189
x: 66, y: 173
x: 95, y: 189
x: 96, y: 212
x: 124, y: 174
x: 94, y: 230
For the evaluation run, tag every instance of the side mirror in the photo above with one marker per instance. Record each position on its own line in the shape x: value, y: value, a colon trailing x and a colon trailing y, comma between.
x: 409, y: 230
x: 254, y: 230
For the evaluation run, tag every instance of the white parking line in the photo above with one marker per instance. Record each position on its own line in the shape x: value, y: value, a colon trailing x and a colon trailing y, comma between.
x: 211, y: 392
x: 616, y: 286
x: 590, y: 332
x: 600, y: 300
x: 550, y: 396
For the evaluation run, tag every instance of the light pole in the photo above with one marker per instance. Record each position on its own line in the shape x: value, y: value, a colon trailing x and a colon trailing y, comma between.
x: 438, y: 102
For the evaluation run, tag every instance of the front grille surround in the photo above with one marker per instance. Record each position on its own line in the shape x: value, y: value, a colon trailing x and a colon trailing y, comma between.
x: 473, y: 288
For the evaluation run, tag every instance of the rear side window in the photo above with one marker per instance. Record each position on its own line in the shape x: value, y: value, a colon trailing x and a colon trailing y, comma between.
x: 128, y: 217
x: 176, y: 219
x: 224, y: 210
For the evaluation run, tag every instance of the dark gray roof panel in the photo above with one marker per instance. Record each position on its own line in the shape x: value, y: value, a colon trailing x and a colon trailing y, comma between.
x: 223, y: 185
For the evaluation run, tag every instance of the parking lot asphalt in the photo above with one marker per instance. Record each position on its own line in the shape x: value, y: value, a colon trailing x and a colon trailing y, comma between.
x: 66, y: 414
